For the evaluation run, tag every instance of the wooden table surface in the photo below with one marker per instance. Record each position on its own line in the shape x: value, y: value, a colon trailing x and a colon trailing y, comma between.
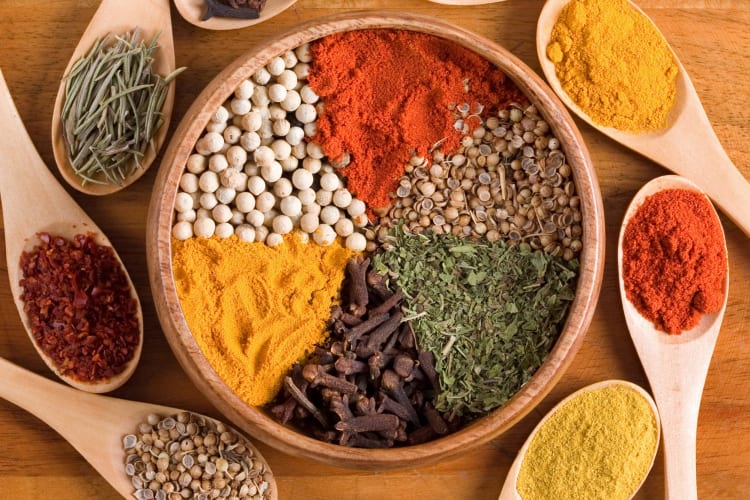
x: 712, y: 40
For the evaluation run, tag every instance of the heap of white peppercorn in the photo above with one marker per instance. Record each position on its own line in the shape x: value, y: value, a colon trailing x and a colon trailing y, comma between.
x: 253, y: 174
x: 191, y: 456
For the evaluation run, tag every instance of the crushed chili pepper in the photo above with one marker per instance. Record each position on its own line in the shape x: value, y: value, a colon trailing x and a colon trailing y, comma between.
x: 80, y: 307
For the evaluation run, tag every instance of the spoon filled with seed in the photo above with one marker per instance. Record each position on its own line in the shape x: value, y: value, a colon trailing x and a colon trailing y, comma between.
x: 115, y: 99
x: 610, y: 64
x: 144, y: 450
x: 72, y: 291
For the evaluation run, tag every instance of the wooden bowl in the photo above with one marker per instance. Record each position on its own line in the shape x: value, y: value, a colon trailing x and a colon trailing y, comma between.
x: 255, y: 421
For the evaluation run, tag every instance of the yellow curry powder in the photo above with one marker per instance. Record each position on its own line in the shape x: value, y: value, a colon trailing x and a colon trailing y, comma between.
x: 614, y: 64
x: 256, y: 310
x: 600, y: 444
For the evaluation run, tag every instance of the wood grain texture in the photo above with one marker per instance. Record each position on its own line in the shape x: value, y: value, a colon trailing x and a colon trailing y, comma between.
x: 712, y: 41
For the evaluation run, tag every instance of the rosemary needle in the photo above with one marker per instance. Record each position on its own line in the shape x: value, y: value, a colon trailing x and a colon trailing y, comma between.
x: 112, y: 108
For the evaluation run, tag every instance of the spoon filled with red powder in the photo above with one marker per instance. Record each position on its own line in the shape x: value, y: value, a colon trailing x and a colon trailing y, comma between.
x: 672, y: 262
x: 70, y: 287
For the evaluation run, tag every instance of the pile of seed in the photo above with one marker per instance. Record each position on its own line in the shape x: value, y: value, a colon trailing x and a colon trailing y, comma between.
x: 253, y: 174
x: 509, y: 180
x: 190, y: 456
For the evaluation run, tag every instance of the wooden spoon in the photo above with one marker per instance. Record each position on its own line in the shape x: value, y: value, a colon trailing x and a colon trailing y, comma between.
x: 118, y: 17
x: 676, y: 365
x: 689, y: 145
x: 33, y: 201
x: 510, y: 492
x: 95, y: 425
x: 192, y: 11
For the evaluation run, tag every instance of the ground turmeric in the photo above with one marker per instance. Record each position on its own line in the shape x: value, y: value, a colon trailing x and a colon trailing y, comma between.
x: 255, y: 310
x: 615, y: 65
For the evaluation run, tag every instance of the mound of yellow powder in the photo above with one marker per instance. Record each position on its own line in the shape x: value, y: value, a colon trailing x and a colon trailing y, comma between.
x: 256, y: 310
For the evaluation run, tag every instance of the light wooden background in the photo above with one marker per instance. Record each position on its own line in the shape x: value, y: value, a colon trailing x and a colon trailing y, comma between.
x: 711, y: 38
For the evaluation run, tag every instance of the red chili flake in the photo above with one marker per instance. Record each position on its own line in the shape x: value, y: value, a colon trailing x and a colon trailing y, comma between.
x: 80, y: 308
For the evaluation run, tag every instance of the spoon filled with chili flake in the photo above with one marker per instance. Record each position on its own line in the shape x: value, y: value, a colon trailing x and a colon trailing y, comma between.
x: 71, y: 289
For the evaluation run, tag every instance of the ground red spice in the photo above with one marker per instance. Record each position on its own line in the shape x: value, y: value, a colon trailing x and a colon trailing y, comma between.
x: 80, y: 308
x: 674, y: 260
x: 387, y: 94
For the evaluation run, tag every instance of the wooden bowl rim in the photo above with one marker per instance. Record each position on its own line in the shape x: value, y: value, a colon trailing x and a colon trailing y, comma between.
x: 255, y: 421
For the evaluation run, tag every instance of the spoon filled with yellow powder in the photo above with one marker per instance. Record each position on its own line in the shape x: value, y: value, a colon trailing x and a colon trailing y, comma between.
x: 599, y: 442
x: 610, y: 64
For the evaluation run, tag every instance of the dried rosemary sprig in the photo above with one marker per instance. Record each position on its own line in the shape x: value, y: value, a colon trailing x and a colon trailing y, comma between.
x: 489, y: 313
x: 113, y: 108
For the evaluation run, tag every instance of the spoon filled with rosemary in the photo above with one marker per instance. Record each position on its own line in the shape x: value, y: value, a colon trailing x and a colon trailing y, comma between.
x: 35, y: 204
x: 676, y: 365
x: 688, y: 146
x: 115, y: 99
x: 114, y: 435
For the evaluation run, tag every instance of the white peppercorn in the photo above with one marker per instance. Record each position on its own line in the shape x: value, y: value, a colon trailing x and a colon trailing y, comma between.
x: 271, y: 172
x: 187, y: 215
x: 202, y: 213
x: 245, y: 232
x: 282, y: 224
x: 204, y: 227
x: 237, y: 217
x: 323, y: 197
x: 213, y: 127
x: 306, y: 196
x: 289, y: 164
x: 221, y: 213
x: 233, y: 178
x: 236, y: 156
x: 288, y: 79
x: 315, y: 150
x: 232, y: 134
x: 260, y: 97
x: 251, y: 121
x: 281, y: 149
x: 183, y: 202
x: 342, y: 197
x: 250, y: 141
x: 217, y: 163
x: 256, y: 185
x: 309, y: 222
x: 276, y: 92
x: 344, y: 227
x: 208, y: 201
x: 330, y: 181
x: 303, y: 53
x: 283, y: 187
x: 310, y: 129
x: 262, y: 76
x: 224, y: 230
x: 208, y: 182
x: 299, y: 151
x: 196, y: 163
x: 291, y: 206
x: 244, y: 90
x: 221, y: 115
x: 302, y: 179
x: 240, y: 106
x: 294, y: 136
x: 281, y: 127
x: 356, y: 242
x: 225, y: 195
x: 302, y: 70
x: 263, y: 156
x: 291, y: 101
x: 276, y: 66
x: 330, y: 215
x: 312, y: 165
x: 265, y: 201
x: 269, y: 216
x: 274, y: 240
x: 182, y: 230
x: 356, y: 207
x: 290, y: 58
x: 324, y: 235
x: 260, y: 233
x: 306, y: 113
x: 312, y: 208
x: 251, y: 169
x: 308, y: 95
x: 254, y: 218
x: 189, y: 182
x: 360, y: 220
x: 244, y: 202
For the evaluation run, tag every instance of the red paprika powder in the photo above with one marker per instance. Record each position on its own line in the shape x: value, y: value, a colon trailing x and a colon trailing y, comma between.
x: 674, y: 259
x: 80, y: 307
x: 389, y: 93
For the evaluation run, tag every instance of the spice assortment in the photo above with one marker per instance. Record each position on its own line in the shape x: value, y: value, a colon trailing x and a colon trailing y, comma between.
x: 674, y: 260
x: 80, y: 306
x: 600, y: 443
x: 112, y: 108
x: 191, y: 456
x: 467, y: 187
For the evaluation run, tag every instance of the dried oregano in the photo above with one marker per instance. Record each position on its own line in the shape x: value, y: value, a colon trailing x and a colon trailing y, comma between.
x: 490, y: 313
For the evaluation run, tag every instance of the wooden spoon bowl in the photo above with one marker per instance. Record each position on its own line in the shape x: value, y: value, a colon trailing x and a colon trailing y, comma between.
x: 676, y: 365
x: 33, y: 201
x: 257, y: 421
x: 118, y: 17
x: 510, y: 490
x: 192, y: 12
x: 94, y: 425
x: 688, y: 146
